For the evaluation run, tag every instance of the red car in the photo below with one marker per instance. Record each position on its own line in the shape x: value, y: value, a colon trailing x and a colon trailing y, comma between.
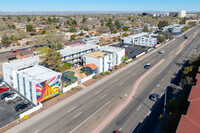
x: 4, y: 89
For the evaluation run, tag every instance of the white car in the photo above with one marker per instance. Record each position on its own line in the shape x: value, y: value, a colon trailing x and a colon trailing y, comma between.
x: 11, y: 97
x: 2, y: 83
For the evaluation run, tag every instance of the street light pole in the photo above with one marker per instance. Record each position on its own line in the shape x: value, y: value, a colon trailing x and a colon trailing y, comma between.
x: 165, y: 100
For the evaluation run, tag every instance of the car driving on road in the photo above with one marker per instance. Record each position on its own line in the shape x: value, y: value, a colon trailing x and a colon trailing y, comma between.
x: 161, y: 51
x: 147, y: 66
x: 154, y: 97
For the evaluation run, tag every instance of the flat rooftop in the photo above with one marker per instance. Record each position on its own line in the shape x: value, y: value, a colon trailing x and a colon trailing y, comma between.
x: 38, y: 74
x: 110, y: 49
x: 22, y: 63
x: 72, y: 50
x: 138, y: 35
x: 98, y: 54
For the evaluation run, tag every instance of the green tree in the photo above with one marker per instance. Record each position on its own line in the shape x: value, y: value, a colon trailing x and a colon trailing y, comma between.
x: 115, y: 31
x: 145, y: 29
x: 29, y: 28
x: 125, y: 28
x: 52, y: 59
x: 117, y: 24
x: 162, y: 24
x: 43, y: 31
x: 74, y: 22
x: 5, y: 41
x: 44, y: 49
x: 81, y: 34
x: 72, y: 29
x: 125, y: 58
x: 84, y: 20
x: 72, y: 37
x: 58, y: 46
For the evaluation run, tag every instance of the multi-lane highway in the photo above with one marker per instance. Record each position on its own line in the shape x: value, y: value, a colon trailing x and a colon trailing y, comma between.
x: 92, y: 109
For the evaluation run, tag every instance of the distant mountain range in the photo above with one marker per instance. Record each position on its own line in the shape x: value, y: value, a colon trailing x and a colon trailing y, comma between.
x: 75, y: 12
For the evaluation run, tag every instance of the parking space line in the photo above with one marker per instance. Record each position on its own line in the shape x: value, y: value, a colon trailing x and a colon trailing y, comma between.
x: 77, y: 115
x: 139, y: 107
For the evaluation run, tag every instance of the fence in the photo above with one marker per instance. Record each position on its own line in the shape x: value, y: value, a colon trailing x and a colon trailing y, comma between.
x: 70, y: 87
x: 140, y: 54
x: 31, y: 110
x: 87, y: 78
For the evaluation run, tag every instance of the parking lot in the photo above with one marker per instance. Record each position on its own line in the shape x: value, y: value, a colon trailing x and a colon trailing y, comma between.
x: 132, y: 50
x: 7, y: 109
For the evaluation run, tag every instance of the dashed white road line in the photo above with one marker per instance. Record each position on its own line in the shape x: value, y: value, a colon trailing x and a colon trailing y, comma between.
x: 129, y: 71
x: 152, y: 91
x: 121, y: 83
x: 103, y: 96
x: 90, y: 116
x: 71, y: 109
x: 37, y: 131
x: 77, y: 115
x: 115, y: 81
x: 97, y: 92
x: 120, y: 129
x: 162, y: 80
x: 139, y: 107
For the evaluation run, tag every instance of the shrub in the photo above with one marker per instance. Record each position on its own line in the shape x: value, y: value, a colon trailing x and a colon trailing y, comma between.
x: 116, y: 67
x: 107, y: 72
x: 102, y: 74
x: 94, y: 77
x: 81, y: 71
x: 72, y: 88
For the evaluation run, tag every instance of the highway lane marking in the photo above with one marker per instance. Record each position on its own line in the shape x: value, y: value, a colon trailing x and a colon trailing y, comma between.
x: 162, y: 80
x: 115, y: 81
x: 77, y: 115
x: 129, y: 71
x: 120, y: 129
x: 37, y: 131
x: 90, y: 116
x: 103, y: 96
x: 122, y: 106
x: 97, y: 92
x: 152, y: 91
x: 181, y: 45
x: 71, y: 109
x: 121, y: 83
x: 139, y: 107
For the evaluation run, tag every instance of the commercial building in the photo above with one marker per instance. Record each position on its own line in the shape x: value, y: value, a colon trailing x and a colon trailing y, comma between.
x: 174, y: 29
x: 74, y: 54
x: 182, y: 13
x: 38, y: 83
x: 10, y: 69
x: 102, y: 59
x: 143, y: 39
x: 117, y: 53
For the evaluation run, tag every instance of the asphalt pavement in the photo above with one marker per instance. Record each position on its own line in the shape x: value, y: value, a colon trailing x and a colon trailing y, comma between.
x: 88, y: 109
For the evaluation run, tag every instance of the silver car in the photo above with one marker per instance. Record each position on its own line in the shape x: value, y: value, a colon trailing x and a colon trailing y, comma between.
x: 161, y: 51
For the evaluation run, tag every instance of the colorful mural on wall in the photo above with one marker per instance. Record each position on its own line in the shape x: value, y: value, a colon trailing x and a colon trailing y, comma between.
x: 48, y: 89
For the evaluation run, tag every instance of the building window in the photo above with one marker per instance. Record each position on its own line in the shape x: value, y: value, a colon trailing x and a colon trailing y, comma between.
x: 18, y: 86
x: 103, y: 64
x: 24, y: 87
x: 30, y: 84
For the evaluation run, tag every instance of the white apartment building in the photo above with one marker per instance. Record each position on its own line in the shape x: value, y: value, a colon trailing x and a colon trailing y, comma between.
x: 10, y: 69
x: 144, y: 39
x: 102, y: 59
x: 182, y: 13
x: 117, y: 53
x: 74, y: 54
x: 38, y: 83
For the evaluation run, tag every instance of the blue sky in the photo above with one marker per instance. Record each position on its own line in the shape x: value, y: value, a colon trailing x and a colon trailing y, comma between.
x: 99, y: 5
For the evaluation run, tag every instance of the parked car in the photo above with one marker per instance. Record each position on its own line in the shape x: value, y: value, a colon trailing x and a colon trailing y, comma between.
x: 11, y: 97
x: 147, y: 66
x: 154, y: 97
x: 4, y: 89
x: 21, y: 106
x: 132, y: 51
x: 161, y: 51
x: 4, y: 95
